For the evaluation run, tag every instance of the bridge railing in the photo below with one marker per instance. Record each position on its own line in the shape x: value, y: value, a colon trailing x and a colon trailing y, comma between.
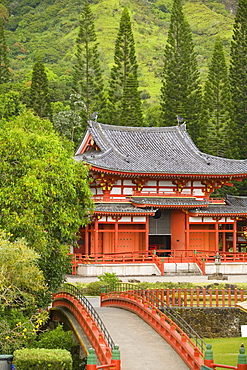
x: 69, y: 288
x: 154, y: 301
x: 201, y: 297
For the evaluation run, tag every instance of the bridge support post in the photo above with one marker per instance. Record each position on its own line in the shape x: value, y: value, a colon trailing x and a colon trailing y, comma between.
x: 91, y: 360
x: 116, y: 357
x: 208, y: 357
x: 242, y: 363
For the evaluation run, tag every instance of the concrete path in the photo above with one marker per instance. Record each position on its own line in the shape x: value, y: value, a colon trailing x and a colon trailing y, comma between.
x: 197, y: 279
x: 141, y: 348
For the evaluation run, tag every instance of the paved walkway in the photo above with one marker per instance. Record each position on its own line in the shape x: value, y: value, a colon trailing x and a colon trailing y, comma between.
x: 199, y: 279
x: 141, y: 348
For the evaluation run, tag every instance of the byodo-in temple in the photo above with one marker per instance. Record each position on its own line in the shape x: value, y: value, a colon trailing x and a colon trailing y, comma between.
x: 154, y: 192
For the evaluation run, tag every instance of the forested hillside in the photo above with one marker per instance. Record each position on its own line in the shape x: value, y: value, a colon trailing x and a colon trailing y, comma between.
x: 49, y: 28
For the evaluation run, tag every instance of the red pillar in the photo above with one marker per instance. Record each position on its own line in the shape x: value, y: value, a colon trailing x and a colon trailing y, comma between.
x: 234, y: 242
x: 187, y: 230
x: 216, y: 234
x: 96, y: 237
x: 116, y: 236
x: 86, y: 240
x: 147, y: 234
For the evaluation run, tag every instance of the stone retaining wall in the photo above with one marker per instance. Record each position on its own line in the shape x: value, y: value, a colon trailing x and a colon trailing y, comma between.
x: 213, y: 322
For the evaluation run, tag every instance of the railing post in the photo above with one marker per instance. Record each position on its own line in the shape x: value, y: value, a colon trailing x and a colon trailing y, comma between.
x: 91, y: 360
x: 242, y: 364
x: 208, y: 356
x: 116, y: 357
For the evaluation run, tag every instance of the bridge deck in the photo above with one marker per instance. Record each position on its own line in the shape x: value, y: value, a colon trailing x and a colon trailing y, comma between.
x: 141, y: 347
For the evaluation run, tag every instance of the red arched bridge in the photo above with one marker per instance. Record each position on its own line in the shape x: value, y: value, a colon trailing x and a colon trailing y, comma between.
x: 71, y: 306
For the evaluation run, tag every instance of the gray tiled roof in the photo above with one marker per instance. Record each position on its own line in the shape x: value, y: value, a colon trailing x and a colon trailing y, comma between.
x: 121, y: 208
x: 237, y: 201
x: 159, y: 150
x: 222, y: 209
x: 170, y: 202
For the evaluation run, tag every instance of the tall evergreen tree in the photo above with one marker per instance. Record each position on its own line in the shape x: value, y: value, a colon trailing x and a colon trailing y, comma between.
x: 39, y: 99
x: 88, y: 81
x: 180, y: 92
x: 125, y: 65
x: 131, y: 112
x: 5, y: 75
x: 238, y: 77
x: 215, y: 123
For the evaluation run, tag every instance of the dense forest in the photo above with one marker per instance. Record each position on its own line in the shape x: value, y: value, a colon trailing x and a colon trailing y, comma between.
x: 136, y: 63
x: 49, y: 28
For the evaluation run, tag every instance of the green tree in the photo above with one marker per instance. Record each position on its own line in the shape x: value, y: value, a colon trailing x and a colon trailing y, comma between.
x: 131, y: 112
x: 125, y: 65
x: 180, y: 92
x: 88, y: 81
x: 215, y: 120
x: 22, y: 292
x: 39, y: 99
x: 10, y: 104
x: 5, y: 75
x: 44, y: 194
x: 238, y: 77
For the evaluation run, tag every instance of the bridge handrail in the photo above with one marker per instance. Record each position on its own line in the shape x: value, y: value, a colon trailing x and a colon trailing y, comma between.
x: 162, y: 306
x: 71, y: 289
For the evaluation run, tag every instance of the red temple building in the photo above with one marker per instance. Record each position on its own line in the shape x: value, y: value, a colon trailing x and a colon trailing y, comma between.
x: 153, y: 191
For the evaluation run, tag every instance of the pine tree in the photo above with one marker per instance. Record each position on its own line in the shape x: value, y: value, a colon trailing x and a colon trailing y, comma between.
x: 88, y: 81
x: 215, y: 120
x: 125, y: 65
x: 180, y: 92
x: 39, y: 99
x: 238, y: 77
x: 131, y: 112
x: 4, y: 62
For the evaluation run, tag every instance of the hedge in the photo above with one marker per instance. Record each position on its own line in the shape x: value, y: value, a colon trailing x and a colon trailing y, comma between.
x: 42, y: 359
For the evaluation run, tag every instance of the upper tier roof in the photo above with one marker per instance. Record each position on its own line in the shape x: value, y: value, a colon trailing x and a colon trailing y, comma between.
x: 149, y: 150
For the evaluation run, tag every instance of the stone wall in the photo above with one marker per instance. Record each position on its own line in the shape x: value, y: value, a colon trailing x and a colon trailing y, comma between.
x: 214, y: 322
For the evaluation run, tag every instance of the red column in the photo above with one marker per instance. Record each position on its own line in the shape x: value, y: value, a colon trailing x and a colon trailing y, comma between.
x: 116, y: 236
x: 216, y: 235
x: 147, y: 233
x: 96, y: 237
x: 234, y: 237
x: 187, y: 230
x: 86, y: 240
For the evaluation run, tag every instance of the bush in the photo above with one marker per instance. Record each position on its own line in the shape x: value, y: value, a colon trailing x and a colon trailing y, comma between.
x: 42, y: 359
x: 60, y: 339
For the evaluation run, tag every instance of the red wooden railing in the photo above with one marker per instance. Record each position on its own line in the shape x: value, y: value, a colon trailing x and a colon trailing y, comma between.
x: 159, y: 257
x: 135, y: 302
x: 200, y: 297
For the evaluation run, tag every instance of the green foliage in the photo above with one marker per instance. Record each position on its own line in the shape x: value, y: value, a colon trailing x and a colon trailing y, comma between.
x: 10, y: 104
x: 88, y: 82
x: 131, y: 112
x: 215, y: 120
x: 57, y: 338
x: 42, y: 359
x: 238, y: 77
x: 181, y: 93
x: 123, y: 93
x: 44, y: 194
x: 21, y: 281
x: 109, y: 278
x: 94, y: 288
x: 4, y: 61
x: 22, y: 292
x: 39, y: 99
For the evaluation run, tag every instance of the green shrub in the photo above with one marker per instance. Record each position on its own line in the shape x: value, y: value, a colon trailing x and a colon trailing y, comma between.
x: 94, y: 288
x: 42, y: 359
x: 109, y: 278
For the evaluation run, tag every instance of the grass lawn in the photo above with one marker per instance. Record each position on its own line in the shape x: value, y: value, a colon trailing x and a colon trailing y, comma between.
x: 226, y: 350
